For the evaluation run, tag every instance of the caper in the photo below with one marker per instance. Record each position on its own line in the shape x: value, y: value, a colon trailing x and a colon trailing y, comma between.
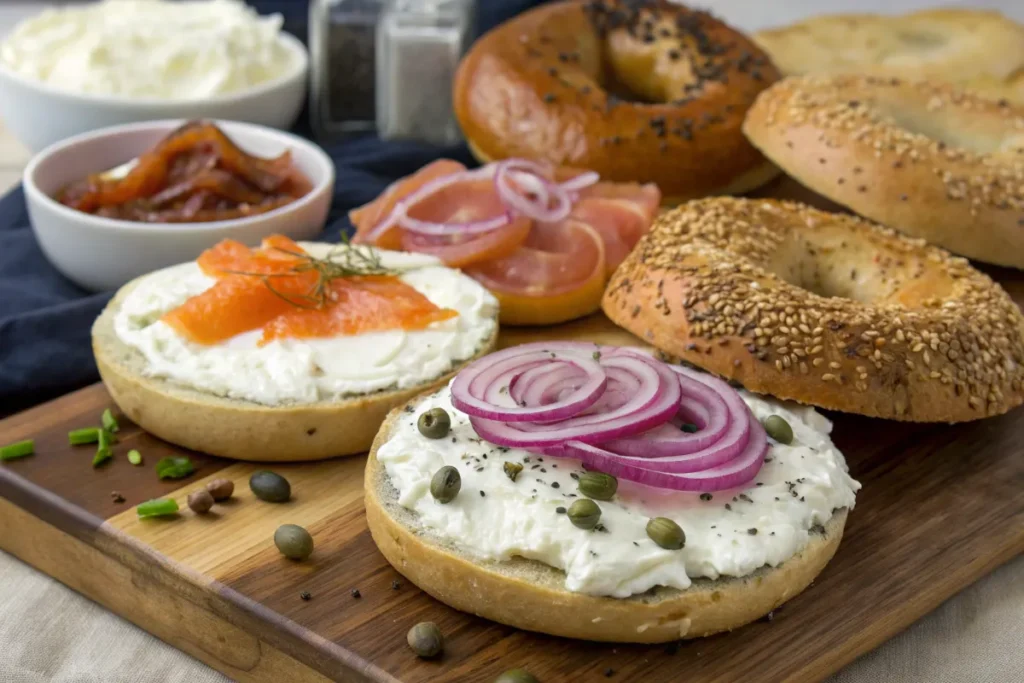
x: 221, y: 489
x: 779, y: 429
x: 584, y: 513
x: 293, y: 541
x: 200, y: 501
x: 425, y: 639
x: 516, y: 676
x: 445, y: 484
x: 270, y: 486
x: 598, y: 485
x: 435, y: 423
x: 666, y: 533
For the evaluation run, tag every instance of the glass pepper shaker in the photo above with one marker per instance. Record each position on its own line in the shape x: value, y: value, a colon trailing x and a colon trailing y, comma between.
x: 419, y: 45
x: 342, y: 45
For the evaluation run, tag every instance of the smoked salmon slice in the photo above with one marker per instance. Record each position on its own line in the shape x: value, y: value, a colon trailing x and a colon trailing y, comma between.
x: 275, y: 289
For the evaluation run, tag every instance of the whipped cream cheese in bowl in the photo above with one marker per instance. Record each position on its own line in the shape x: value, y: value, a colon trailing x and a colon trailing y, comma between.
x: 73, y: 69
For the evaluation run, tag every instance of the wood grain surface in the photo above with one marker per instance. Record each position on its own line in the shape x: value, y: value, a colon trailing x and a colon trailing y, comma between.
x: 940, y: 507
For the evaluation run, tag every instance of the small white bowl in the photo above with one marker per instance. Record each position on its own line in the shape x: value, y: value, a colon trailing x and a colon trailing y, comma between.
x: 100, y: 254
x: 40, y: 115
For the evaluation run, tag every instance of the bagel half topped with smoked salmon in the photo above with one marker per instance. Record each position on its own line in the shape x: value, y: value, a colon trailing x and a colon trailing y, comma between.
x: 543, y: 240
x: 288, y: 351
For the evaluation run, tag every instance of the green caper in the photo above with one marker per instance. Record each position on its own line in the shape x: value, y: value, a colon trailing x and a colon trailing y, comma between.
x: 516, y: 676
x: 779, y: 429
x: 598, y: 485
x: 435, y: 423
x: 445, y: 484
x: 270, y: 486
x: 666, y: 533
x: 584, y: 513
x: 293, y: 541
x: 425, y: 639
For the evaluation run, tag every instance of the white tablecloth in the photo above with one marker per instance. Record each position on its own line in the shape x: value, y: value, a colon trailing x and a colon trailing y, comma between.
x: 49, y: 634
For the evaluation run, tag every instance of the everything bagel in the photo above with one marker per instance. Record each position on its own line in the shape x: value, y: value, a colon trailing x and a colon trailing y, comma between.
x: 644, y: 91
x: 825, y: 309
x: 926, y: 159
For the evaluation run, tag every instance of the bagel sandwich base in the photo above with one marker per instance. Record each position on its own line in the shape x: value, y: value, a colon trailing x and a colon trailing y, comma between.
x: 823, y: 309
x: 531, y: 595
x: 973, y: 48
x: 926, y: 159
x: 239, y: 429
x: 535, y: 87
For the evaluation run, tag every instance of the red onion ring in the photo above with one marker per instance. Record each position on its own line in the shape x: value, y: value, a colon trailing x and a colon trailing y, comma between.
x: 616, y: 410
x: 528, y: 173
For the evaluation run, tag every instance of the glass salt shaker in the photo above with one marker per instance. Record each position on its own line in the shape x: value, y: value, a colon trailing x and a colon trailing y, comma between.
x: 342, y: 45
x: 419, y: 45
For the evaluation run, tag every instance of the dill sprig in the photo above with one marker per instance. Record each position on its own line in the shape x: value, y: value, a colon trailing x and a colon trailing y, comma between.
x: 343, y: 261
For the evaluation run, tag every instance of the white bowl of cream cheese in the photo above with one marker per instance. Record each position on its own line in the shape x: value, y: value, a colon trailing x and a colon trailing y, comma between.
x: 100, y: 253
x: 79, y: 68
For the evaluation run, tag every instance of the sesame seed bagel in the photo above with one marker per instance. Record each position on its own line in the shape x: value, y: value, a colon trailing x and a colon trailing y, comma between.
x: 531, y: 595
x: 825, y: 309
x: 926, y: 159
x: 639, y: 91
x: 979, y: 49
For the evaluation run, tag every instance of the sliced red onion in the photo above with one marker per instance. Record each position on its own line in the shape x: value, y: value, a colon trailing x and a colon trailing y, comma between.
x: 580, y: 182
x: 532, y: 178
x: 473, y: 389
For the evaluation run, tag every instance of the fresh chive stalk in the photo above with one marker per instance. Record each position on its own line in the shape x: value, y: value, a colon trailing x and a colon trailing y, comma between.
x: 134, y: 457
x: 109, y: 423
x: 103, y: 454
x: 157, y: 508
x: 18, y: 450
x: 106, y: 439
x: 86, y: 435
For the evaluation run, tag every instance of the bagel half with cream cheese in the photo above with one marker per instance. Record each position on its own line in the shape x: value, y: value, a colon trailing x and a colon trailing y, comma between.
x: 221, y: 421
x: 436, y: 550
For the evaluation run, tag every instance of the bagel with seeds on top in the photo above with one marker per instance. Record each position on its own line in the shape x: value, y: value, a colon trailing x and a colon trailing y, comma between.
x: 926, y: 159
x: 637, y: 90
x: 978, y: 49
x: 824, y: 309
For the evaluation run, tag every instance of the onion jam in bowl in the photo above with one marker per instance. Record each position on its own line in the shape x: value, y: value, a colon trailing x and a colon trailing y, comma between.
x: 222, y: 180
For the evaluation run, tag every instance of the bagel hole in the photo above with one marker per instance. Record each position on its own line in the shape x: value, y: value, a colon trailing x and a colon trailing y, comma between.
x: 950, y: 130
x: 829, y: 264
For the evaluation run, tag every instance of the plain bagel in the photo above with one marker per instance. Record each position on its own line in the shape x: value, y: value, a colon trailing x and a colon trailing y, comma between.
x: 979, y: 49
x: 644, y: 91
x: 926, y: 159
x: 825, y: 309
x: 531, y: 595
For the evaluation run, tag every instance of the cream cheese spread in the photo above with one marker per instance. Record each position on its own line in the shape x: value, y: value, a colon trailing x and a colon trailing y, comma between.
x: 290, y: 371
x: 733, y: 533
x: 150, y: 48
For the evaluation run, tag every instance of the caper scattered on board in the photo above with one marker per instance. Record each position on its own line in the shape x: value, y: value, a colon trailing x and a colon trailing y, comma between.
x: 293, y: 541
x: 434, y: 424
x: 445, y: 484
x: 425, y: 639
x: 512, y: 469
x: 779, y: 429
x: 200, y: 501
x: 666, y: 533
x: 516, y: 676
x: 584, y: 513
x: 598, y: 485
x: 270, y: 486
x: 221, y: 489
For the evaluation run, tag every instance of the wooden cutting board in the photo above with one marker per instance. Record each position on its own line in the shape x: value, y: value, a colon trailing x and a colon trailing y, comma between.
x: 941, y: 506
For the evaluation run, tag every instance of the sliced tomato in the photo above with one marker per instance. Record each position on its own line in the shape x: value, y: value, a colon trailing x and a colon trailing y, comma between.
x: 366, y: 217
x: 557, y: 275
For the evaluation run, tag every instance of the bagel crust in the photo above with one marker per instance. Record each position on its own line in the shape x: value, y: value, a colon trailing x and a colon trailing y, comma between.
x: 824, y: 309
x: 531, y: 595
x: 238, y: 429
x: 926, y: 159
x: 646, y: 91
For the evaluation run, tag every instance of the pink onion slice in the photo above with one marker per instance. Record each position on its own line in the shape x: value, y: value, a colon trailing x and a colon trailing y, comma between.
x: 581, y: 182
x: 473, y: 390
x: 513, y: 177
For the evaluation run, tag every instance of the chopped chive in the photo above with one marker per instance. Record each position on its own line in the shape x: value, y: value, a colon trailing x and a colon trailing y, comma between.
x: 86, y: 435
x: 106, y: 439
x: 103, y: 454
x: 109, y: 423
x: 134, y: 457
x: 174, y: 467
x: 18, y: 450
x: 157, y: 508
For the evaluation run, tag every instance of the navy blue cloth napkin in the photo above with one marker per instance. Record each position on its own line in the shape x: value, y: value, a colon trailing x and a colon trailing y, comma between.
x: 45, y: 319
